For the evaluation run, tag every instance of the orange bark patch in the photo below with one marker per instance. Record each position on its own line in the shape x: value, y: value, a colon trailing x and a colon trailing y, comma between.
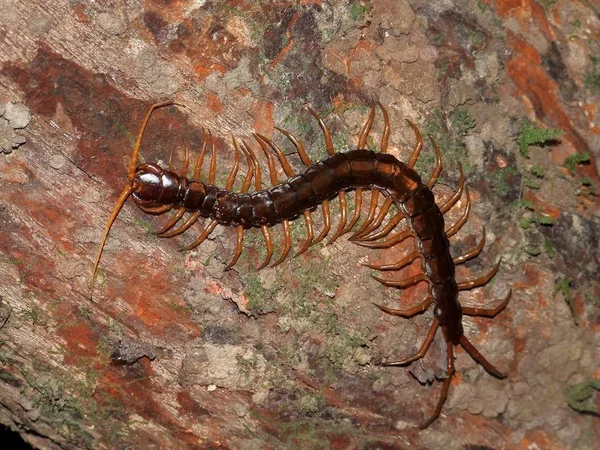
x: 263, y: 117
x: 539, y: 439
x: 80, y: 341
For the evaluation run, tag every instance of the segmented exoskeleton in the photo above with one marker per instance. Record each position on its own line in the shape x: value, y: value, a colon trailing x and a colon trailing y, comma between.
x: 156, y: 191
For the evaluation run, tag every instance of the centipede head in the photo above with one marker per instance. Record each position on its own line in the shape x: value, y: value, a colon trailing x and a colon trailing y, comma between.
x: 145, y: 182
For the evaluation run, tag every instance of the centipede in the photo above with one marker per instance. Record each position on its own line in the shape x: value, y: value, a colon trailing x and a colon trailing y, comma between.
x: 156, y: 190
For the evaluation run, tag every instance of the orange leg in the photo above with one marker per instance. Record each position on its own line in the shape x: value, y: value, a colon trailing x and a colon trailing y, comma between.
x: 471, y: 253
x: 438, y: 165
x: 267, y: 235
x: 209, y: 229
x: 466, y: 285
x: 450, y: 371
x: 238, y: 247
x: 385, y: 230
x: 408, y: 259
x: 407, y: 313
x: 380, y: 216
x: 458, y: 225
x: 417, y: 150
x: 410, y: 281
x: 389, y: 242
x: 424, y: 347
x: 287, y: 242
x: 452, y: 200
x: 487, y: 312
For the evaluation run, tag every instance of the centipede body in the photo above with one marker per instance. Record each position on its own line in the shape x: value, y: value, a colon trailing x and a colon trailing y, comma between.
x: 156, y: 190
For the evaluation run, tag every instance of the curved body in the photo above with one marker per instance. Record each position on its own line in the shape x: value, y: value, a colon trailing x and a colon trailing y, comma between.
x: 157, y: 190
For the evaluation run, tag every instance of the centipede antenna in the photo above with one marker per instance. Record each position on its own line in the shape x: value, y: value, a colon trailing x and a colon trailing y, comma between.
x: 287, y: 242
x: 487, y: 312
x: 471, y: 350
x: 407, y: 313
x: 385, y: 136
x: 471, y: 253
x: 238, y: 247
x: 364, y: 134
x: 171, y: 153
x: 417, y: 150
x: 449, y: 374
x: 470, y: 284
x: 389, y: 242
x: 127, y: 190
x: 407, y: 260
x: 410, y: 281
x: 422, y: 351
x: 438, y: 165
x: 454, y: 198
x: 357, y: 206
x: 267, y: 235
x: 463, y: 219
x: 234, y: 169
x: 209, y: 229
x: 326, y: 132
x: 299, y: 147
x: 213, y: 160
x: 326, y: 222
x: 138, y: 142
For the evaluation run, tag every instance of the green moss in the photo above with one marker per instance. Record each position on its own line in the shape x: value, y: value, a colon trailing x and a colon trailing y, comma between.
x: 259, y: 298
x: 537, y: 171
x: 462, y: 121
x: 549, y: 248
x: 580, y: 397
x: 533, y: 250
x: 358, y: 10
x: 531, y: 135
x: 576, y: 159
x: 564, y: 286
x: 533, y: 184
x: 502, y: 180
x: 549, y: 3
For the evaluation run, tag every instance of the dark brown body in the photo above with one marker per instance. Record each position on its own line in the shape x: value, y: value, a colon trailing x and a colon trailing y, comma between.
x: 319, y: 182
x: 157, y: 191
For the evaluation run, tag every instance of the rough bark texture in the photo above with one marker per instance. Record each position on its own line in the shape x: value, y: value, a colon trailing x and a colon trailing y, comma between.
x: 173, y: 352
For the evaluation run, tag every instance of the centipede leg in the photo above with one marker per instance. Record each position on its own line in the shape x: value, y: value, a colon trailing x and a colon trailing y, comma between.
x: 463, y: 219
x: 186, y: 225
x: 385, y: 230
x: 417, y: 150
x: 424, y: 347
x: 267, y: 235
x: 238, y: 247
x: 487, y: 312
x: 370, y: 216
x: 357, y: 206
x: 466, y: 285
x: 364, y: 134
x: 438, y: 165
x: 209, y: 229
x: 326, y: 222
x: 343, y: 214
x: 309, y: 233
x: 380, y: 216
x: 407, y: 313
x: 385, y: 136
x: 410, y: 281
x: 445, y: 387
x: 454, y: 198
x: 408, y: 259
x: 287, y: 242
x: 471, y: 253
x: 389, y: 242
x: 172, y: 221
x: 471, y: 350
